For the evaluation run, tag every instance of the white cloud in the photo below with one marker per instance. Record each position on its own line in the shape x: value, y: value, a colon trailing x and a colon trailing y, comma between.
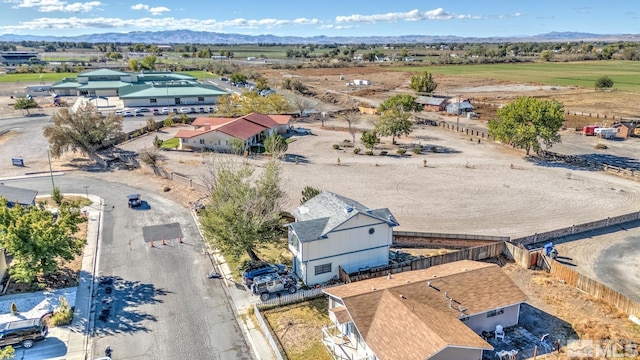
x: 56, y: 5
x: 157, y: 10
x: 412, y: 15
x: 150, y: 23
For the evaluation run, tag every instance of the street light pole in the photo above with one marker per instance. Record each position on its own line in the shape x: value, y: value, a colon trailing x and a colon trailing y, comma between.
x: 53, y: 186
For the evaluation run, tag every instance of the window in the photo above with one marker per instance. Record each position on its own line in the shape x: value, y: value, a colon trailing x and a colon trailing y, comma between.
x: 493, y: 313
x: 201, y: 141
x: 153, y: 101
x: 201, y: 98
x: 177, y: 101
x: 184, y: 140
x: 323, y: 269
x: 371, y: 231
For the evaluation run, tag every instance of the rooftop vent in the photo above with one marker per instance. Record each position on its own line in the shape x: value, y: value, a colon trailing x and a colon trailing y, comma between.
x: 402, y: 296
x: 348, y: 209
x: 389, y: 276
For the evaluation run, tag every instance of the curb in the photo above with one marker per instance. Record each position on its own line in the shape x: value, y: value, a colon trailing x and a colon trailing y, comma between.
x: 35, y: 175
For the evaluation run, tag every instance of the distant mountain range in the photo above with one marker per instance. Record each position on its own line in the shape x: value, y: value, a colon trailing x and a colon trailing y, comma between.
x: 204, y: 37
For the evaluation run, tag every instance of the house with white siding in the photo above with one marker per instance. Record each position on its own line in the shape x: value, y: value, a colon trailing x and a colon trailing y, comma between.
x: 333, y: 231
x: 438, y: 313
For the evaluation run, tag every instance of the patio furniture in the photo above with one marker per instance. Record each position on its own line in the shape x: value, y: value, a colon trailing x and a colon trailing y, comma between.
x: 502, y: 354
x: 512, y: 354
x: 499, y: 333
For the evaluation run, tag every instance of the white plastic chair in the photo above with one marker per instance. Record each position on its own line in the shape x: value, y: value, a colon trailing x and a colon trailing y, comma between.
x: 499, y: 333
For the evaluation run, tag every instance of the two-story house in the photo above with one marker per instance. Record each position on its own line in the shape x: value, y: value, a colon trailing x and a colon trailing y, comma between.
x: 331, y: 230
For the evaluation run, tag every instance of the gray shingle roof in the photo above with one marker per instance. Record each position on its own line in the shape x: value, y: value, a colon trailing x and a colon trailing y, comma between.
x: 326, y: 211
x: 14, y: 194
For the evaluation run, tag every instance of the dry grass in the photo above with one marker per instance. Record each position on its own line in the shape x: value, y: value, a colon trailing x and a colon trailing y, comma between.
x: 427, y: 252
x: 298, y: 327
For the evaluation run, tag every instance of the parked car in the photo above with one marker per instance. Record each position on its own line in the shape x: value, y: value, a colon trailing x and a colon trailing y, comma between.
x: 138, y: 112
x: 201, y: 110
x: 184, y: 110
x: 144, y: 109
x: 133, y: 200
x: 192, y: 110
x: 23, y: 332
x: 127, y: 113
x: 302, y: 131
x: 261, y: 268
x: 211, y: 109
x: 165, y: 111
x: 266, y: 285
x: 156, y: 112
x: 175, y: 111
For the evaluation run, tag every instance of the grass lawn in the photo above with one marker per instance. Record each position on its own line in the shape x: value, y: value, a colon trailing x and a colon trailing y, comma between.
x: 298, y: 327
x: 625, y: 74
x: 48, y: 201
x: 198, y: 74
x: 35, y: 78
x: 171, y: 143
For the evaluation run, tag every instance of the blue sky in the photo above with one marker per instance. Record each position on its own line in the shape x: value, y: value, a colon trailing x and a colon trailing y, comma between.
x: 322, y: 17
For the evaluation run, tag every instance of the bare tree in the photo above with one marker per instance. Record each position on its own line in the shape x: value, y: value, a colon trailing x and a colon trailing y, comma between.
x: 351, y: 117
x: 300, y: 104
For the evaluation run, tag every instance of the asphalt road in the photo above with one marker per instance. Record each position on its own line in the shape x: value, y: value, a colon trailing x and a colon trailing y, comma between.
x: 152, y: 302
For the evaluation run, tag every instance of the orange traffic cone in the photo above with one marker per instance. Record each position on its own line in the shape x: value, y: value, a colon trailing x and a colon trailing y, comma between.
x: 164, y: 242
x: 151, y: 244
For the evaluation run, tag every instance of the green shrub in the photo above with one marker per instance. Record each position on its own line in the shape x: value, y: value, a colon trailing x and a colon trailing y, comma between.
x: 63, y: 314
x: 336, y: 146
x: 601, y: 146
x: 368, y: 152
x: 434, y: 149
x: 384, y: 152
x: 56, y: 195
x: 347, y: 143
x: 401, y: 151
x: 418, y: 149
x: 168, y: 122
x: 357, y: 150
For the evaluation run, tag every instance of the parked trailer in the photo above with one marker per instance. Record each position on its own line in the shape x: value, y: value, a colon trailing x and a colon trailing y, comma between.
x: 589, y: 130
x: 606, y: 133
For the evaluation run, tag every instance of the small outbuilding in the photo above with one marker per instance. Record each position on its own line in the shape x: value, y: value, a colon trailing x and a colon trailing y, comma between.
x: 462, y: 107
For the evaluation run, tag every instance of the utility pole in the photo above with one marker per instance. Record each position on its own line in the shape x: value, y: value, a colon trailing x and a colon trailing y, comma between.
x: 458, y: 118
x: 53, y: 186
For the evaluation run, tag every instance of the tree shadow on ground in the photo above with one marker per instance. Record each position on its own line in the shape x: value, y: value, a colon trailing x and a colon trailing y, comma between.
x: 117, y: 305
x: 295, y: 159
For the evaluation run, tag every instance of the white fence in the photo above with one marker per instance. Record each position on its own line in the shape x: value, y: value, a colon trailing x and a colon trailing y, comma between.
x: 282, y: 300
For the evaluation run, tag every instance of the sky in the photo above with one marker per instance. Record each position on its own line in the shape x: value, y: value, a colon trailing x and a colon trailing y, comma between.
x: 321, y: 17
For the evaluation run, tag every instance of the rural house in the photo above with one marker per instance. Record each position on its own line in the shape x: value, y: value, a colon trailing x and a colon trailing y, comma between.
x: 331, y: 230
x: 218, y: 133
x: 435, y: 313
x: 432, y: 103
x: 626, y: 129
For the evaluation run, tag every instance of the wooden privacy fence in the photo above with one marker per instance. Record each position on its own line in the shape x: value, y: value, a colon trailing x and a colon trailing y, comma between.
x: 473, y: 253
x: 594, y: 288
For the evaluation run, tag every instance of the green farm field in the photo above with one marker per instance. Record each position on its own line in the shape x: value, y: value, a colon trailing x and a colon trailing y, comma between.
x: 35, y: 78
x: 625, y: 74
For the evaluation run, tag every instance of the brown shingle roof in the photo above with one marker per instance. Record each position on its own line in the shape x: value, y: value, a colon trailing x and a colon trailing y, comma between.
x: 406, y: 328
x: 429, y: 302
x: 341, y: 314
